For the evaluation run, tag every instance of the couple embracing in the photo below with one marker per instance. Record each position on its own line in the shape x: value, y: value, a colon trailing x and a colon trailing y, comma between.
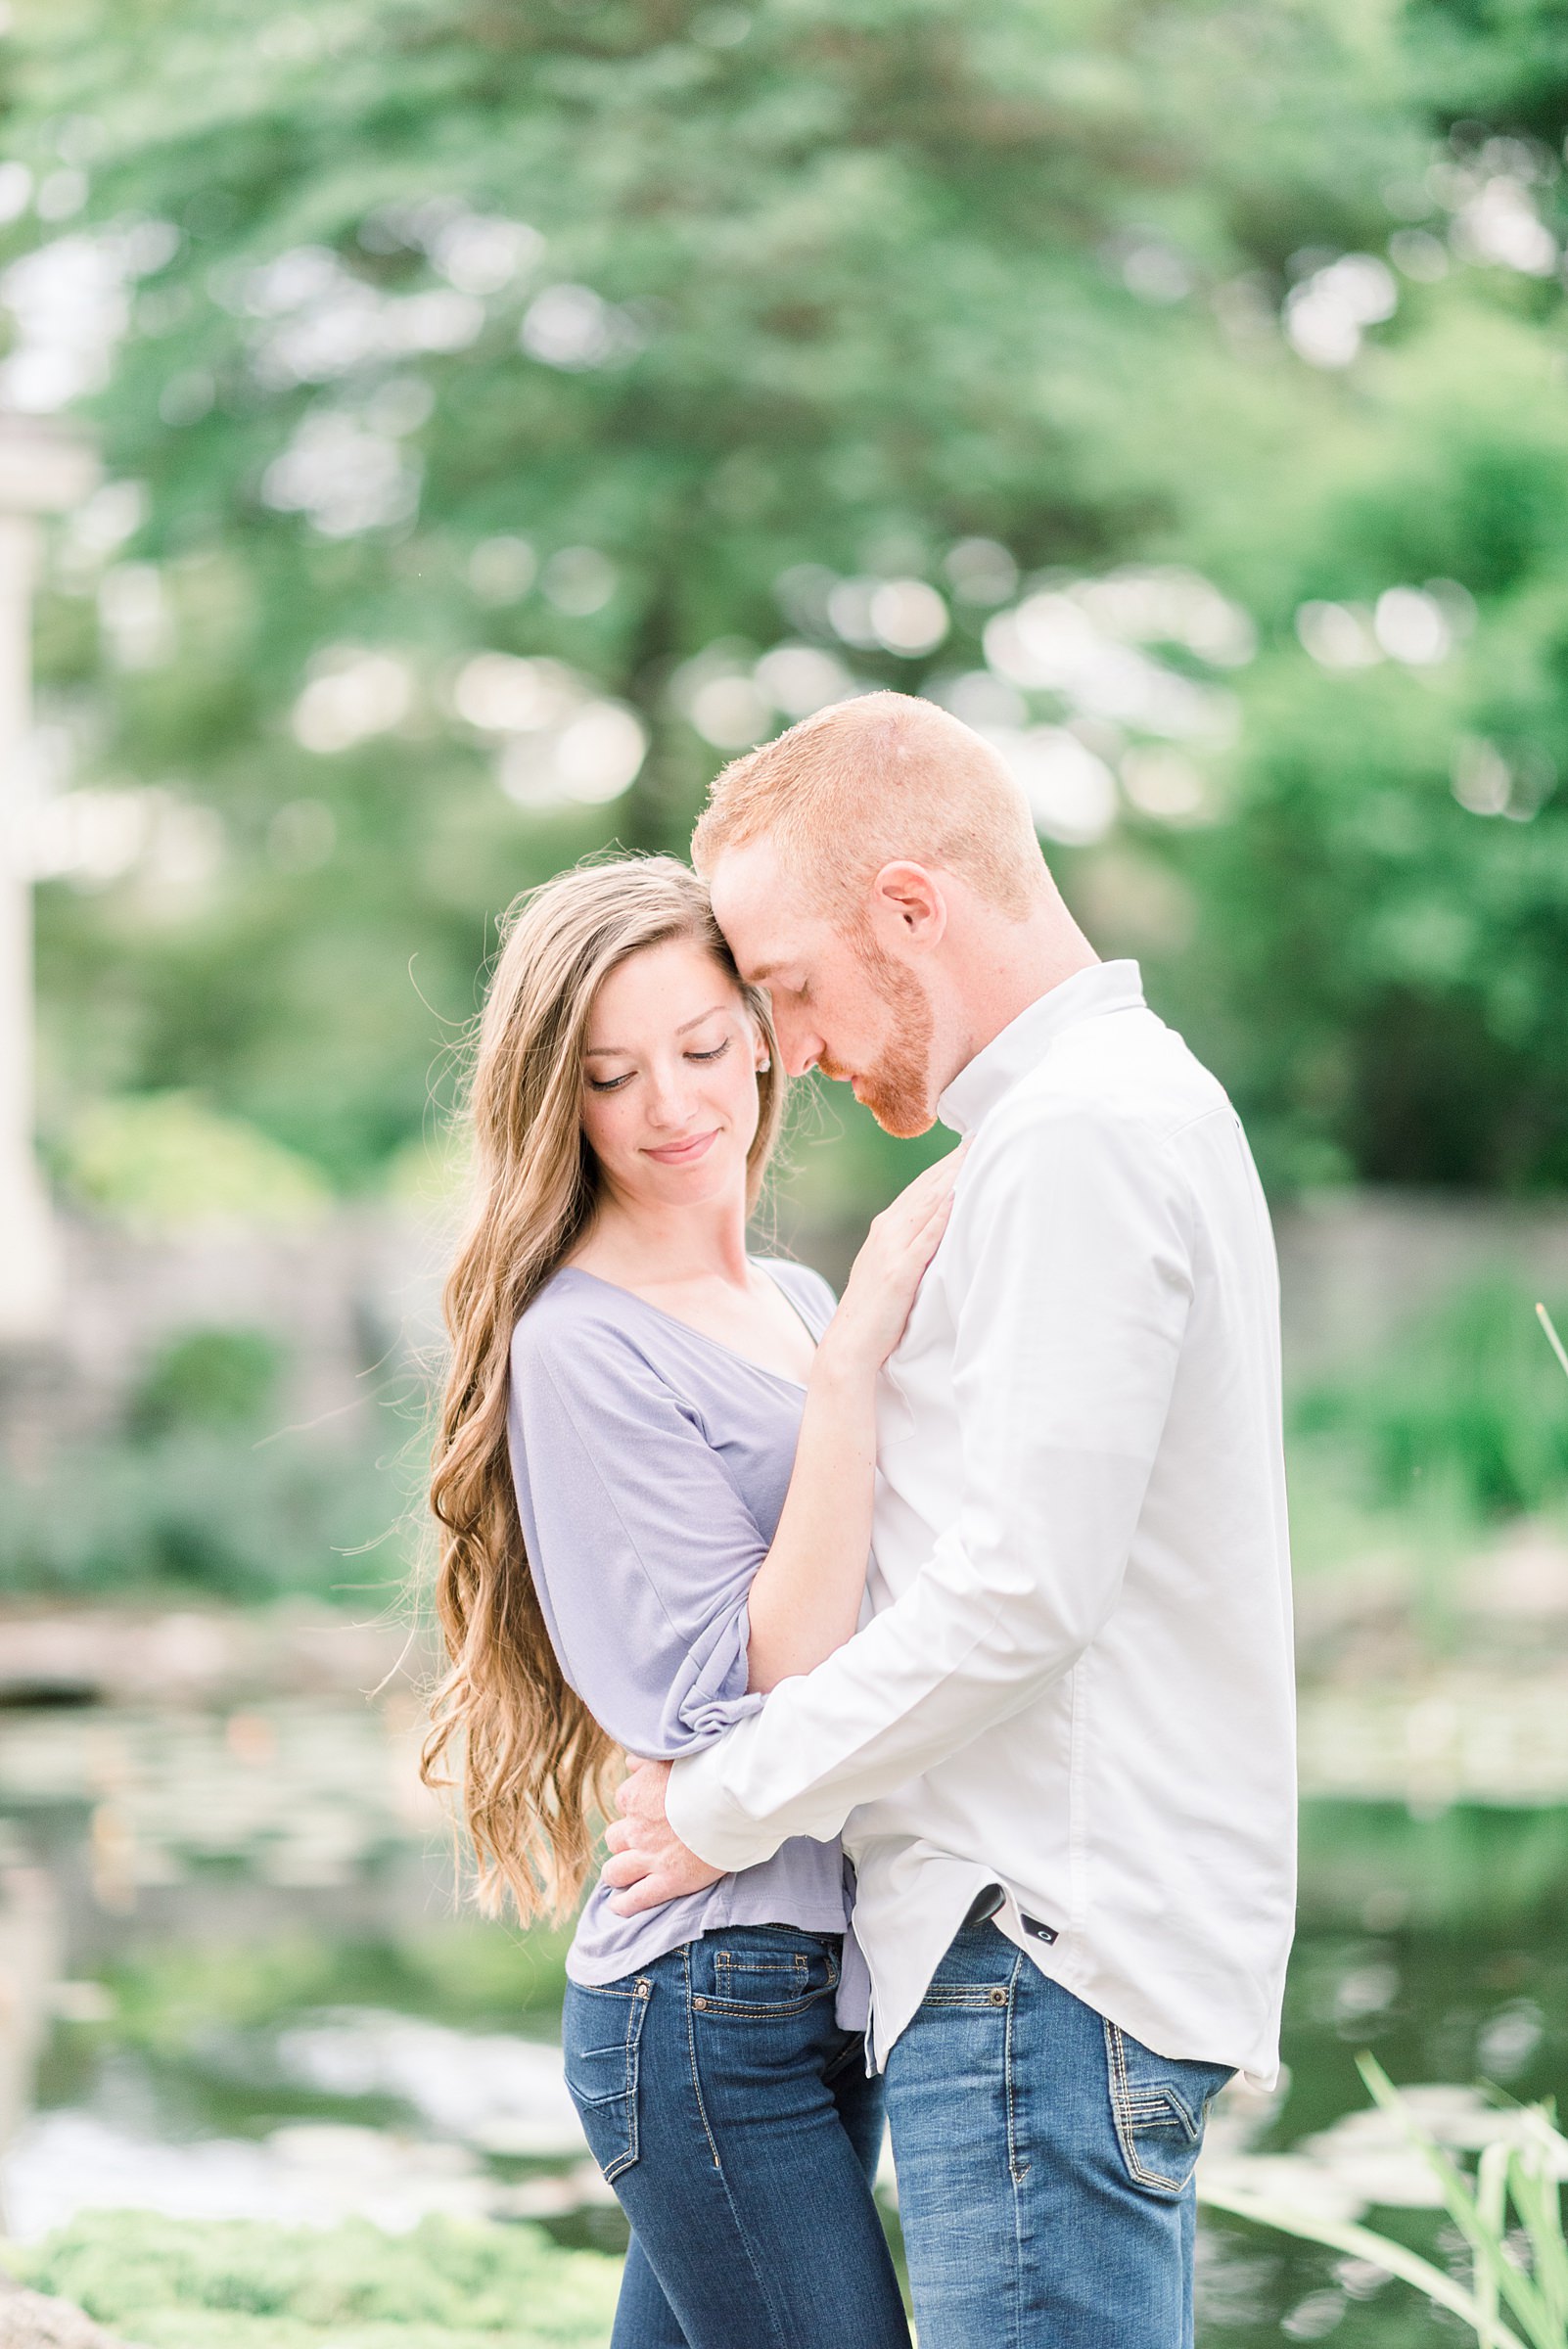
x: 949, y: 1621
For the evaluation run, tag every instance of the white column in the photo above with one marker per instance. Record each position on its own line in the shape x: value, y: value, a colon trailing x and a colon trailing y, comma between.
x: 42, y: 470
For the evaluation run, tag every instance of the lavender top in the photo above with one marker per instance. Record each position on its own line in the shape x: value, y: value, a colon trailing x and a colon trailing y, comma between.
x: 651, y: 1465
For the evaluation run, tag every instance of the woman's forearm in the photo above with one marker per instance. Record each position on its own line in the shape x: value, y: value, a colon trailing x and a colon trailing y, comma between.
x: 806, y: 1595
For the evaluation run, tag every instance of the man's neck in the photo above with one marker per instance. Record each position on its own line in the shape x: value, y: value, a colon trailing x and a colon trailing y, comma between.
x: 1007, y: 970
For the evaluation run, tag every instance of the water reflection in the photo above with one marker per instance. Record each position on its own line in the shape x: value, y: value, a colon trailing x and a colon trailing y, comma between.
x: 248, y: 2032
x: 305, y: 2115
x: 1442, y: 2009
x: 321, y: 2109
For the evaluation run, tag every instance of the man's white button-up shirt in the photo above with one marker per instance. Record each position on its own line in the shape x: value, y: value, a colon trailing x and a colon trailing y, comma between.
x: 1075, y: 1678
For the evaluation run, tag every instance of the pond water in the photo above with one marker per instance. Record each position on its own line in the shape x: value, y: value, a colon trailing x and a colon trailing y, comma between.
x: 1441, y: 2009
x: 383, y: 2093
x: 275, y: 2018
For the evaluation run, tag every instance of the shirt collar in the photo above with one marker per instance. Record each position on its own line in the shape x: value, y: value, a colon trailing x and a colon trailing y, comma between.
x: 1000, y: 1064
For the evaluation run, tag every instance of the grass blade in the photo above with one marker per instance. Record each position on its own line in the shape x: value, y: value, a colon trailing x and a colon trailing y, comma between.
x: 1362, y: 2242
x: 1539, y: 2203
x: 1491, y: 2209
x: 1552, y: 1339
x: 1525, y: 2302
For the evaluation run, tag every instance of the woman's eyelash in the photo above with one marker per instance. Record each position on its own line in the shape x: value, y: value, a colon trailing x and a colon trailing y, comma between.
x: 613, y: 1084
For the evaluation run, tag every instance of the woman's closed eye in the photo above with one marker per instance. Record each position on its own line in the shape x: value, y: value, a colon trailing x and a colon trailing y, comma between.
x: 613, y: 1084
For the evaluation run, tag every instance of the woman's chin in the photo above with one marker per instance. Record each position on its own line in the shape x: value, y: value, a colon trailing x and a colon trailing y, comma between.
x: 701, y: 1183
x: 700, y: 1188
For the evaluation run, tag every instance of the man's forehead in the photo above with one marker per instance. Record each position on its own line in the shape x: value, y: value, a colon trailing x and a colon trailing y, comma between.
x: 760, y: 908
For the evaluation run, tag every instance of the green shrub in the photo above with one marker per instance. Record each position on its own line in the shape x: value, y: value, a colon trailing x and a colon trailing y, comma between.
x: 201, y: 1489
x: 160, y: 1160
x: 202, y: 1510
x: 468, y: 1971
x: 240, y: 2284
x: 207, y: 1378
x: 1468, y: 1402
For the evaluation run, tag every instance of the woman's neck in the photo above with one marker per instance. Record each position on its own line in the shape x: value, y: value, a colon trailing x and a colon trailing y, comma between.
x: 645, y: 1246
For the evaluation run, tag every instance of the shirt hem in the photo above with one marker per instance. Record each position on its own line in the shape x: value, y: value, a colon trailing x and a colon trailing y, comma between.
x: 621, y: 1965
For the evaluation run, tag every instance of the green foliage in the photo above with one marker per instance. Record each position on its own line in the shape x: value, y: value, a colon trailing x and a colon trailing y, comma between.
x: 175, y: 2285
x: 199, y: 1508
x: 207, y: 1378
x: 861, y: 284
x: 1461, y: 1871
x: 468, y: 1972
x: 1469, y: 1405
x: 166, y: 1160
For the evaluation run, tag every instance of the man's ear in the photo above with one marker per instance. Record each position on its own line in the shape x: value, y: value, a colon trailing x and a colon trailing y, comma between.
x: 908, y: 907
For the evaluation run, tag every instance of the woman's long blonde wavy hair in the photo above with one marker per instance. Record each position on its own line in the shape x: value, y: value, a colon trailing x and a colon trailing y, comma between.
x: 529, y: 1760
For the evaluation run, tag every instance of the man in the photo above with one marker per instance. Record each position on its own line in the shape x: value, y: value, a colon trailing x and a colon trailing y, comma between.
x: 1060, y: 1748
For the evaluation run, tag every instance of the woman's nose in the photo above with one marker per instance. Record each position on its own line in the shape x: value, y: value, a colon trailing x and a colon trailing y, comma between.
x: 670, y: 1096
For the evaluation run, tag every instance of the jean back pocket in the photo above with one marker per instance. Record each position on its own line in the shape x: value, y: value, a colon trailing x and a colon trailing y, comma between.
x: 761, y: 1972
x: 1158, y: 2106
x: 602, y: 2034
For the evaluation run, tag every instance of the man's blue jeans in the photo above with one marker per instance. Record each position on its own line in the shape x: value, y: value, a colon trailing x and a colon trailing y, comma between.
x: 1045, y: 2162
x: 737, y: 2126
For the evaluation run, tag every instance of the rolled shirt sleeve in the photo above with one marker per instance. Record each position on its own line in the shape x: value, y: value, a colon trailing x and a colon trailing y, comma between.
x: 1071, y: 1262
x: 641, y: 1547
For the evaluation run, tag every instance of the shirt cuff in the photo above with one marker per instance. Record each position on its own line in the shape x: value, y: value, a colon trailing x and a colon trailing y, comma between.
x: 716, y: 1696
x: 703, y: 1813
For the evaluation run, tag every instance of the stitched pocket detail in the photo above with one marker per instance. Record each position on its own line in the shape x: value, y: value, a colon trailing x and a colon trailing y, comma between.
x: 602, y: 2080
x: 755, y: 1984
x: 989, y: 1996
x: 1159, y: 2107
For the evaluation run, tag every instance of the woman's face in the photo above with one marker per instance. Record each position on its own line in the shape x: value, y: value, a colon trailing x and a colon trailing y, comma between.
x: 670, y: 1070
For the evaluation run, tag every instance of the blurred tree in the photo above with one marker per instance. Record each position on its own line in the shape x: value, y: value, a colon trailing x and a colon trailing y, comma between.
x: 207, y: 1378
x: 503, y: 399
x: 1465, y: 1411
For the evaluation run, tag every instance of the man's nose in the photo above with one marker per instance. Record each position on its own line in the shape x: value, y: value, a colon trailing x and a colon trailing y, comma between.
x: 800, y: 1048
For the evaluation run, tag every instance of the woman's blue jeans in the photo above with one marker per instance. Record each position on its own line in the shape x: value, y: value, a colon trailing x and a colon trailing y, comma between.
x: 737, y: 2126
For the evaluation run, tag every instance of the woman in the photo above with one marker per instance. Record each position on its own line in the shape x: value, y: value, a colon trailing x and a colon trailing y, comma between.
x: 654, y: 1486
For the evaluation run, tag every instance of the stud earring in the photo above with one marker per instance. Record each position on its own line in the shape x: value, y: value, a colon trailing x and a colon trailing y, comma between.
x: 764, y: 1066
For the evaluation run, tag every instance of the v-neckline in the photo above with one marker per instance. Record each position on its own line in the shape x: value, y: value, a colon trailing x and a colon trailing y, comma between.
x: 692, y: 1332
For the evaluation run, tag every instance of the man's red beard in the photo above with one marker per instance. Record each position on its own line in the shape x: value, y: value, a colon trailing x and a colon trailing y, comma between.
x: 897, y: 1088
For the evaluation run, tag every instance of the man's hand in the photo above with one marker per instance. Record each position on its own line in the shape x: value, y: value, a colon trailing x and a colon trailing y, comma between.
x: 649, y: 1863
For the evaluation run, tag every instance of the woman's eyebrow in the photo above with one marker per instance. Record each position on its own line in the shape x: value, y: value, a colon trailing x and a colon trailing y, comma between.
x: 624, y: 1052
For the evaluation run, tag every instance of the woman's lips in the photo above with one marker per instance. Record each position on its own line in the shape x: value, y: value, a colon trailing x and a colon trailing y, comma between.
x: 683, y: 1154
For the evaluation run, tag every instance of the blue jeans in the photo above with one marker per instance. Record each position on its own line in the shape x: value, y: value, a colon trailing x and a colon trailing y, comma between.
x: 737, y: 2126
x: 1044, y: 2161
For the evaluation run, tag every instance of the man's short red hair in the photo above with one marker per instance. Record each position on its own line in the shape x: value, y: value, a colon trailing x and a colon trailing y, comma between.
x: 865, y: 782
